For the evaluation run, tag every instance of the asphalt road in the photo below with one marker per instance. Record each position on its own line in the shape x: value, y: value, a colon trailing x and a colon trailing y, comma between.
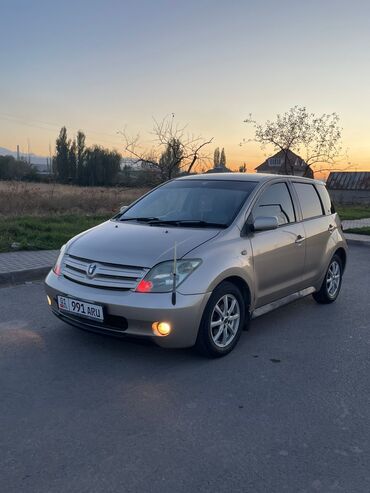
x: 288, y: 410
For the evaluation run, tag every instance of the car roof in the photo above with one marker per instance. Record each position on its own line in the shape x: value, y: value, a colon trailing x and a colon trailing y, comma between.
x: 255, y: 177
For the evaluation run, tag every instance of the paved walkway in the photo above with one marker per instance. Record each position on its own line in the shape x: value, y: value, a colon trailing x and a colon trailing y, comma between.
x: 356, y: 223
x: 17, y: 261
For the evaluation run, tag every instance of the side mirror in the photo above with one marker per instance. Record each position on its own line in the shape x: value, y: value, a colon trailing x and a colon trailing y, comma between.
x: 123, y: 208
x: 265, y: 223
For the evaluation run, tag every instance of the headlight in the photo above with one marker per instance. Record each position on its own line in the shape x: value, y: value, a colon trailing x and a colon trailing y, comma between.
x: 57, y: 269
x: 160, y: 278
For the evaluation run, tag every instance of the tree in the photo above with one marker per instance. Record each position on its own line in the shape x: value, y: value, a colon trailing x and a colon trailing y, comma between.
x: 318, y: 138
x: 169, y: 162
x: 216, y: 158
x: 81, y: 155
x: 13, y: 169
x: 61, y: 159
x: 101, y: 166
x: 223, y: 158
x: 72, y: 161
x: 173, y: 139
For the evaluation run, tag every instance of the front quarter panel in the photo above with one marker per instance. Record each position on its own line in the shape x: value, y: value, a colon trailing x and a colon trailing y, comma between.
x: 224, y: 257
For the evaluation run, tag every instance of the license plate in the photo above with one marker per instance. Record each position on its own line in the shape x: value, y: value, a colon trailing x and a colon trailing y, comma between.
x: 80, y: 308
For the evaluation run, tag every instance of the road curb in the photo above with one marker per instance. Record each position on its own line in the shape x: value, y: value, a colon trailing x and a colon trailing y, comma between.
x: 356, y: 239
x: 20, y: 276
x: 358, y: 242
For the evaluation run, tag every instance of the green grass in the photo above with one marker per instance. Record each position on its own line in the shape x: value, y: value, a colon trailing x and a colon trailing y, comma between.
x: 43, y: 233
x: 359, y: 231
x: 353, y: 211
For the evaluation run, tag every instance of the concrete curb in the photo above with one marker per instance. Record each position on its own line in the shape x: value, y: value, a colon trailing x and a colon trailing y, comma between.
x: 358, y: 242
x: 355, y: 239
x: 20, y: 276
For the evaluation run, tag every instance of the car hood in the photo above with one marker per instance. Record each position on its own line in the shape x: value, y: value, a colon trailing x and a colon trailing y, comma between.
x: 136, y: 244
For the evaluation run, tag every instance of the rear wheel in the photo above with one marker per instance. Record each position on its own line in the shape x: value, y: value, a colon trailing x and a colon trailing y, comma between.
x: 222, y: 322
x: 332, y: 282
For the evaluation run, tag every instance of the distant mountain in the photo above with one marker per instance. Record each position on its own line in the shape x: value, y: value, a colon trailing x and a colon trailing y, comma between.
x: 34, y: 158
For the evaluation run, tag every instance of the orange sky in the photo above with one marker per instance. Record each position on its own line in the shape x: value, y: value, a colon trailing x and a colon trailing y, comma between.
x: 210, y: 62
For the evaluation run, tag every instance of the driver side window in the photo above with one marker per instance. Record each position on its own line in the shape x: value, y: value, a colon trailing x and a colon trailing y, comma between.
x: 275, y: 201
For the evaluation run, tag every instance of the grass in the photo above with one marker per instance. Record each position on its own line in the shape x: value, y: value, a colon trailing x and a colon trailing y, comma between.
x: 353, y: 211
x: 43, y: 233
x: 359, y: 231
x: 43, y: 216
x: 47, y: 199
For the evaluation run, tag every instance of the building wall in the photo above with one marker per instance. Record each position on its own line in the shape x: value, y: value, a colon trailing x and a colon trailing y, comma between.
x: 350, y: 196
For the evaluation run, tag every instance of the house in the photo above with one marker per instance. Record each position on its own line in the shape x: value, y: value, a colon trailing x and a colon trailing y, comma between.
x: 349, y: 187
x: 276, y: 165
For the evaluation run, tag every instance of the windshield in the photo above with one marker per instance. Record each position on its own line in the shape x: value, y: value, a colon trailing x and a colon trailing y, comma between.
x: 202, y: 203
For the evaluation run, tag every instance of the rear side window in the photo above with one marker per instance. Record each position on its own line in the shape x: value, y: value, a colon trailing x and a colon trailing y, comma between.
x: 275, y: 201
x: 309, y: 200
x: 325, y: 199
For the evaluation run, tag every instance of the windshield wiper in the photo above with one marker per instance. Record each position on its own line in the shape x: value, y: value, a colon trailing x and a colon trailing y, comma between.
x: 187, y: 222
x: 141, y: 219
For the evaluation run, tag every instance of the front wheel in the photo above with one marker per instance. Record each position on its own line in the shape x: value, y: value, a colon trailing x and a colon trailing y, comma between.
x: 332, y: 282
x: 222, y: 322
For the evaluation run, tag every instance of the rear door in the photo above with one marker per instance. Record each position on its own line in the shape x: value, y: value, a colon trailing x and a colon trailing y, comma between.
x: 318, y: 229
x: 278, y: 255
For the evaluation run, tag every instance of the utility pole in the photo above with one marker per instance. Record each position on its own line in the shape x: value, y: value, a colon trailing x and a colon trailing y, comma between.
x: 17, y: 152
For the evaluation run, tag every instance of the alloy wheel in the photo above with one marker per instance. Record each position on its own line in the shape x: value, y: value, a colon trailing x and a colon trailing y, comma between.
x: 333, y: 277
x: 225, y: 320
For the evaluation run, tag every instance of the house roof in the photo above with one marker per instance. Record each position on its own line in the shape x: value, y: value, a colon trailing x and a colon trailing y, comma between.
x: 292, y: 156
x: 343, y: 180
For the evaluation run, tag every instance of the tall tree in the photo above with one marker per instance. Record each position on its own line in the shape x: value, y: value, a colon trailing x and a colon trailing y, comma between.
x: 216, y: 158
x: 223, y: 158
x: 61, y: 159
x: 81, y: 156
x: 169, y: 162
x: 101, y: 166
x: 72, y: 161
x: 317, y: 139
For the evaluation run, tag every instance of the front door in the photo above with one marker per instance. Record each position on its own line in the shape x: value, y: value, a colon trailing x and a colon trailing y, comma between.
x: 279, y: 254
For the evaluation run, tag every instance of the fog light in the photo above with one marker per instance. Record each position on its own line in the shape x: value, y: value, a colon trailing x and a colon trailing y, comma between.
x: 49, y: 300
x: 161, y: 328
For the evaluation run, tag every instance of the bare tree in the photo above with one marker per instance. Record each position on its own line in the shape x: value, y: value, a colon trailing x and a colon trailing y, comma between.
x: 170, y: 139
x: 318, y: 138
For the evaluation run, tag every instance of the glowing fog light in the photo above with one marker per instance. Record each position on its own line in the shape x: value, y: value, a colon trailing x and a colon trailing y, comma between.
x: 161, y: 328
x: 49, y: 300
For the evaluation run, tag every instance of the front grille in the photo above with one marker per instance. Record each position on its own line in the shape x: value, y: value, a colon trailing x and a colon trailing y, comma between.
x: 105, y: 275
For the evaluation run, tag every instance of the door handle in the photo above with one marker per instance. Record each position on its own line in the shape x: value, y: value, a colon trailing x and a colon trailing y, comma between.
x: 331, y: 228
x: 299, y: 239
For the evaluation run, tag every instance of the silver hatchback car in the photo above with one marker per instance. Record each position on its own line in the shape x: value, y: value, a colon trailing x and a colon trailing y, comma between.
x: 192, y: 261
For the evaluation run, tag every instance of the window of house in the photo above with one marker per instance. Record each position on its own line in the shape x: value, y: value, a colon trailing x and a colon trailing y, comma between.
x: 275, y: 201
x: 309, y: 200
x: 275, y: 161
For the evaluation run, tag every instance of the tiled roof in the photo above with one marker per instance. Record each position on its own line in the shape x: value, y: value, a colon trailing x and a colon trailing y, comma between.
x: 343, y: 180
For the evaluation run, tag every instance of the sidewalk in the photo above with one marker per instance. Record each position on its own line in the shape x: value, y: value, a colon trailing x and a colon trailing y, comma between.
x: 356, y: 223
x: 25, y: 266
x: 17, y: 267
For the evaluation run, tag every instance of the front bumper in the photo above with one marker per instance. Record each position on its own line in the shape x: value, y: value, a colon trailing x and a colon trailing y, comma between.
x: 131, y: 314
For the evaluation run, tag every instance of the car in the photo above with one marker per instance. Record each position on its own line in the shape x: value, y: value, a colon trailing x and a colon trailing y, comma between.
x: 194, y: 260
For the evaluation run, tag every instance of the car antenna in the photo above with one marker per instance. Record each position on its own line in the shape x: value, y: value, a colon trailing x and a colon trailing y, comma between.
x: 174, y: 275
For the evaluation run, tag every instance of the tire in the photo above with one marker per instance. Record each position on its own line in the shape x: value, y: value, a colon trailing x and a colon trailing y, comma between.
x: 332, y: 282
x: 225, y: 310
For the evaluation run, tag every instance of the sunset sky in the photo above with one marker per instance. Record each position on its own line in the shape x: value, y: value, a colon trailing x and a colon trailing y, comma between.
x: 105, y: 65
